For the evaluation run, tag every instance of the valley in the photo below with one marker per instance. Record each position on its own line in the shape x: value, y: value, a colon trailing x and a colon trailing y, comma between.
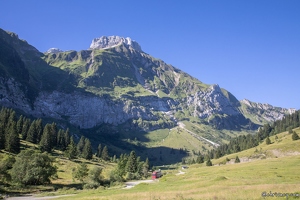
x: 262, y: 170
x: 65, y: 108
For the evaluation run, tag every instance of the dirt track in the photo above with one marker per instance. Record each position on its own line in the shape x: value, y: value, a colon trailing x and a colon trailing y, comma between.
x: 30, y: 197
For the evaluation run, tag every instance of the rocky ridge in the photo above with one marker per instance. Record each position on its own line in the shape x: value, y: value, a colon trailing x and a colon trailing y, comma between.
x: 105, y: 42
x: 263, y: 112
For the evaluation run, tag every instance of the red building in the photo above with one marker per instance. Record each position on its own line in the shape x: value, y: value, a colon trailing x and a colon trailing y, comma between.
x: 156, y: 174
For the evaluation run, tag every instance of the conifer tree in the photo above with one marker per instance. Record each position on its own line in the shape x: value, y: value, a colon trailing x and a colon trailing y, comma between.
x: 146, y: 167
x: 104, y: 154
x: 200, y: 159
x: 208, y: 163
x: 2, y: 137
x: 71, y: 151
x: 80, y: 145
x: 59, y: 139
x: 114, y: 159
x: 87, y: 152
x: 99, y: 151
x: 39, y: 130
x: 20, y: 124
x: 46, y: 143
x: 12, y: 139
x: 237, y: 160
x: 193, y: 161
x: 121, y: 165
x: 11, y: 120
x: 268, y: 141
x: 53, y: 135
x: 25, y: 129
x: 32, y: 133
x: 81, y: 172
x: 67, y: 138
x: 131, y: 165
x: 295, y: 136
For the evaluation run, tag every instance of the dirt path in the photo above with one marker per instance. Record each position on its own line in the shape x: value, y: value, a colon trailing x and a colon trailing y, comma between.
x: 182, y: 125
x: 180, y: 173
x: 31, y: 197
x: 131, y: 184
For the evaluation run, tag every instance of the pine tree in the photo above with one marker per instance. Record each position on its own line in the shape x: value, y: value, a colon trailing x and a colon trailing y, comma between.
x: 146, y: 167
x: 12, y: 139
x: 46, y: 143
x: 80, y: 145
x: 25, y: 128
x: 193, y: 161
x: 237, y: 160
x: 99, y: 151
x: 2, y: 137
x: 59, y: 139
x: 131, y: 165
x: 295, y: 136
x: 32, y: 133
x: 20, y: 124
x: 122, y: 165
x: 81, y: 172
x: 87, y: 152
x: 39, y: 130
x: 208, y: 163
x: 268, y: 141
x: 11, y: 120
x: 66, y: 138
x: 71, y: 151
x: 104, y: 154
x: 200, y: 159
x: 53, y: 135
x: 114, y: 159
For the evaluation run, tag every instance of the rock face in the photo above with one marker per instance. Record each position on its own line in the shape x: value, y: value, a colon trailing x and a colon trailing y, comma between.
x: 210, y: 102
x: 113, y: 41
x: 87, y: 111
x: 11, y: 95
x: 263, y: 113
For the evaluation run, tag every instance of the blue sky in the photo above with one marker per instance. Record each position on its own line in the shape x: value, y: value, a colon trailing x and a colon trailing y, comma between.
x: 251, y: 48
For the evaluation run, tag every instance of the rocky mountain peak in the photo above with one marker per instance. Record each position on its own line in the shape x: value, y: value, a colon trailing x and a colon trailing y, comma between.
x: 105, y: 42
x: 54, y: 50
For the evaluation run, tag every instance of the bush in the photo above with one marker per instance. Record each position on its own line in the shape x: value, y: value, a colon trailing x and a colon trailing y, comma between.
x: 237, y: 160
x: 91, y: 185
x: 33, y: 168
x: 81, y: 172
x: 295, y: 136
x: 268, y: 141
x: 208, y: 163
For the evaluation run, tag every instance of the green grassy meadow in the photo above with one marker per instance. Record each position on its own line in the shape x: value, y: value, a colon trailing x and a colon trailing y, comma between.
x: 277, y: 172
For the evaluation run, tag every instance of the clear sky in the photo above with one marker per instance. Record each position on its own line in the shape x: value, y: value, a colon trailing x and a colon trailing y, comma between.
x: 249, y: 47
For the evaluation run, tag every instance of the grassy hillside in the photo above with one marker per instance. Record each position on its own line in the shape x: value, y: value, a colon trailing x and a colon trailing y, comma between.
x: 277, y: 171
x: 64, y: 182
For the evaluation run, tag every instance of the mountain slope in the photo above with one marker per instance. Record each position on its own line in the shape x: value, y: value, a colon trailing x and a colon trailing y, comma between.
x: 112, y: 83
x: 263, y: 113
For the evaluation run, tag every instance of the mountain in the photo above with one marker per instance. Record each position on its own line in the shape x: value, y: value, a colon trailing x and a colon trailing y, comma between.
x: 115, y: 83
x: 263, y: 113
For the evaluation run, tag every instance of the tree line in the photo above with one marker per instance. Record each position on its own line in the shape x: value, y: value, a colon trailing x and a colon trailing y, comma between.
x: 248, y: 141
x: 35, y: 166
x: 47, y: 137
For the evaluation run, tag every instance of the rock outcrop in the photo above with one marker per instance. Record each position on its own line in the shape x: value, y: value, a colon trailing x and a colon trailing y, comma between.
x: 54, y: 50
x: 113, y: 41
